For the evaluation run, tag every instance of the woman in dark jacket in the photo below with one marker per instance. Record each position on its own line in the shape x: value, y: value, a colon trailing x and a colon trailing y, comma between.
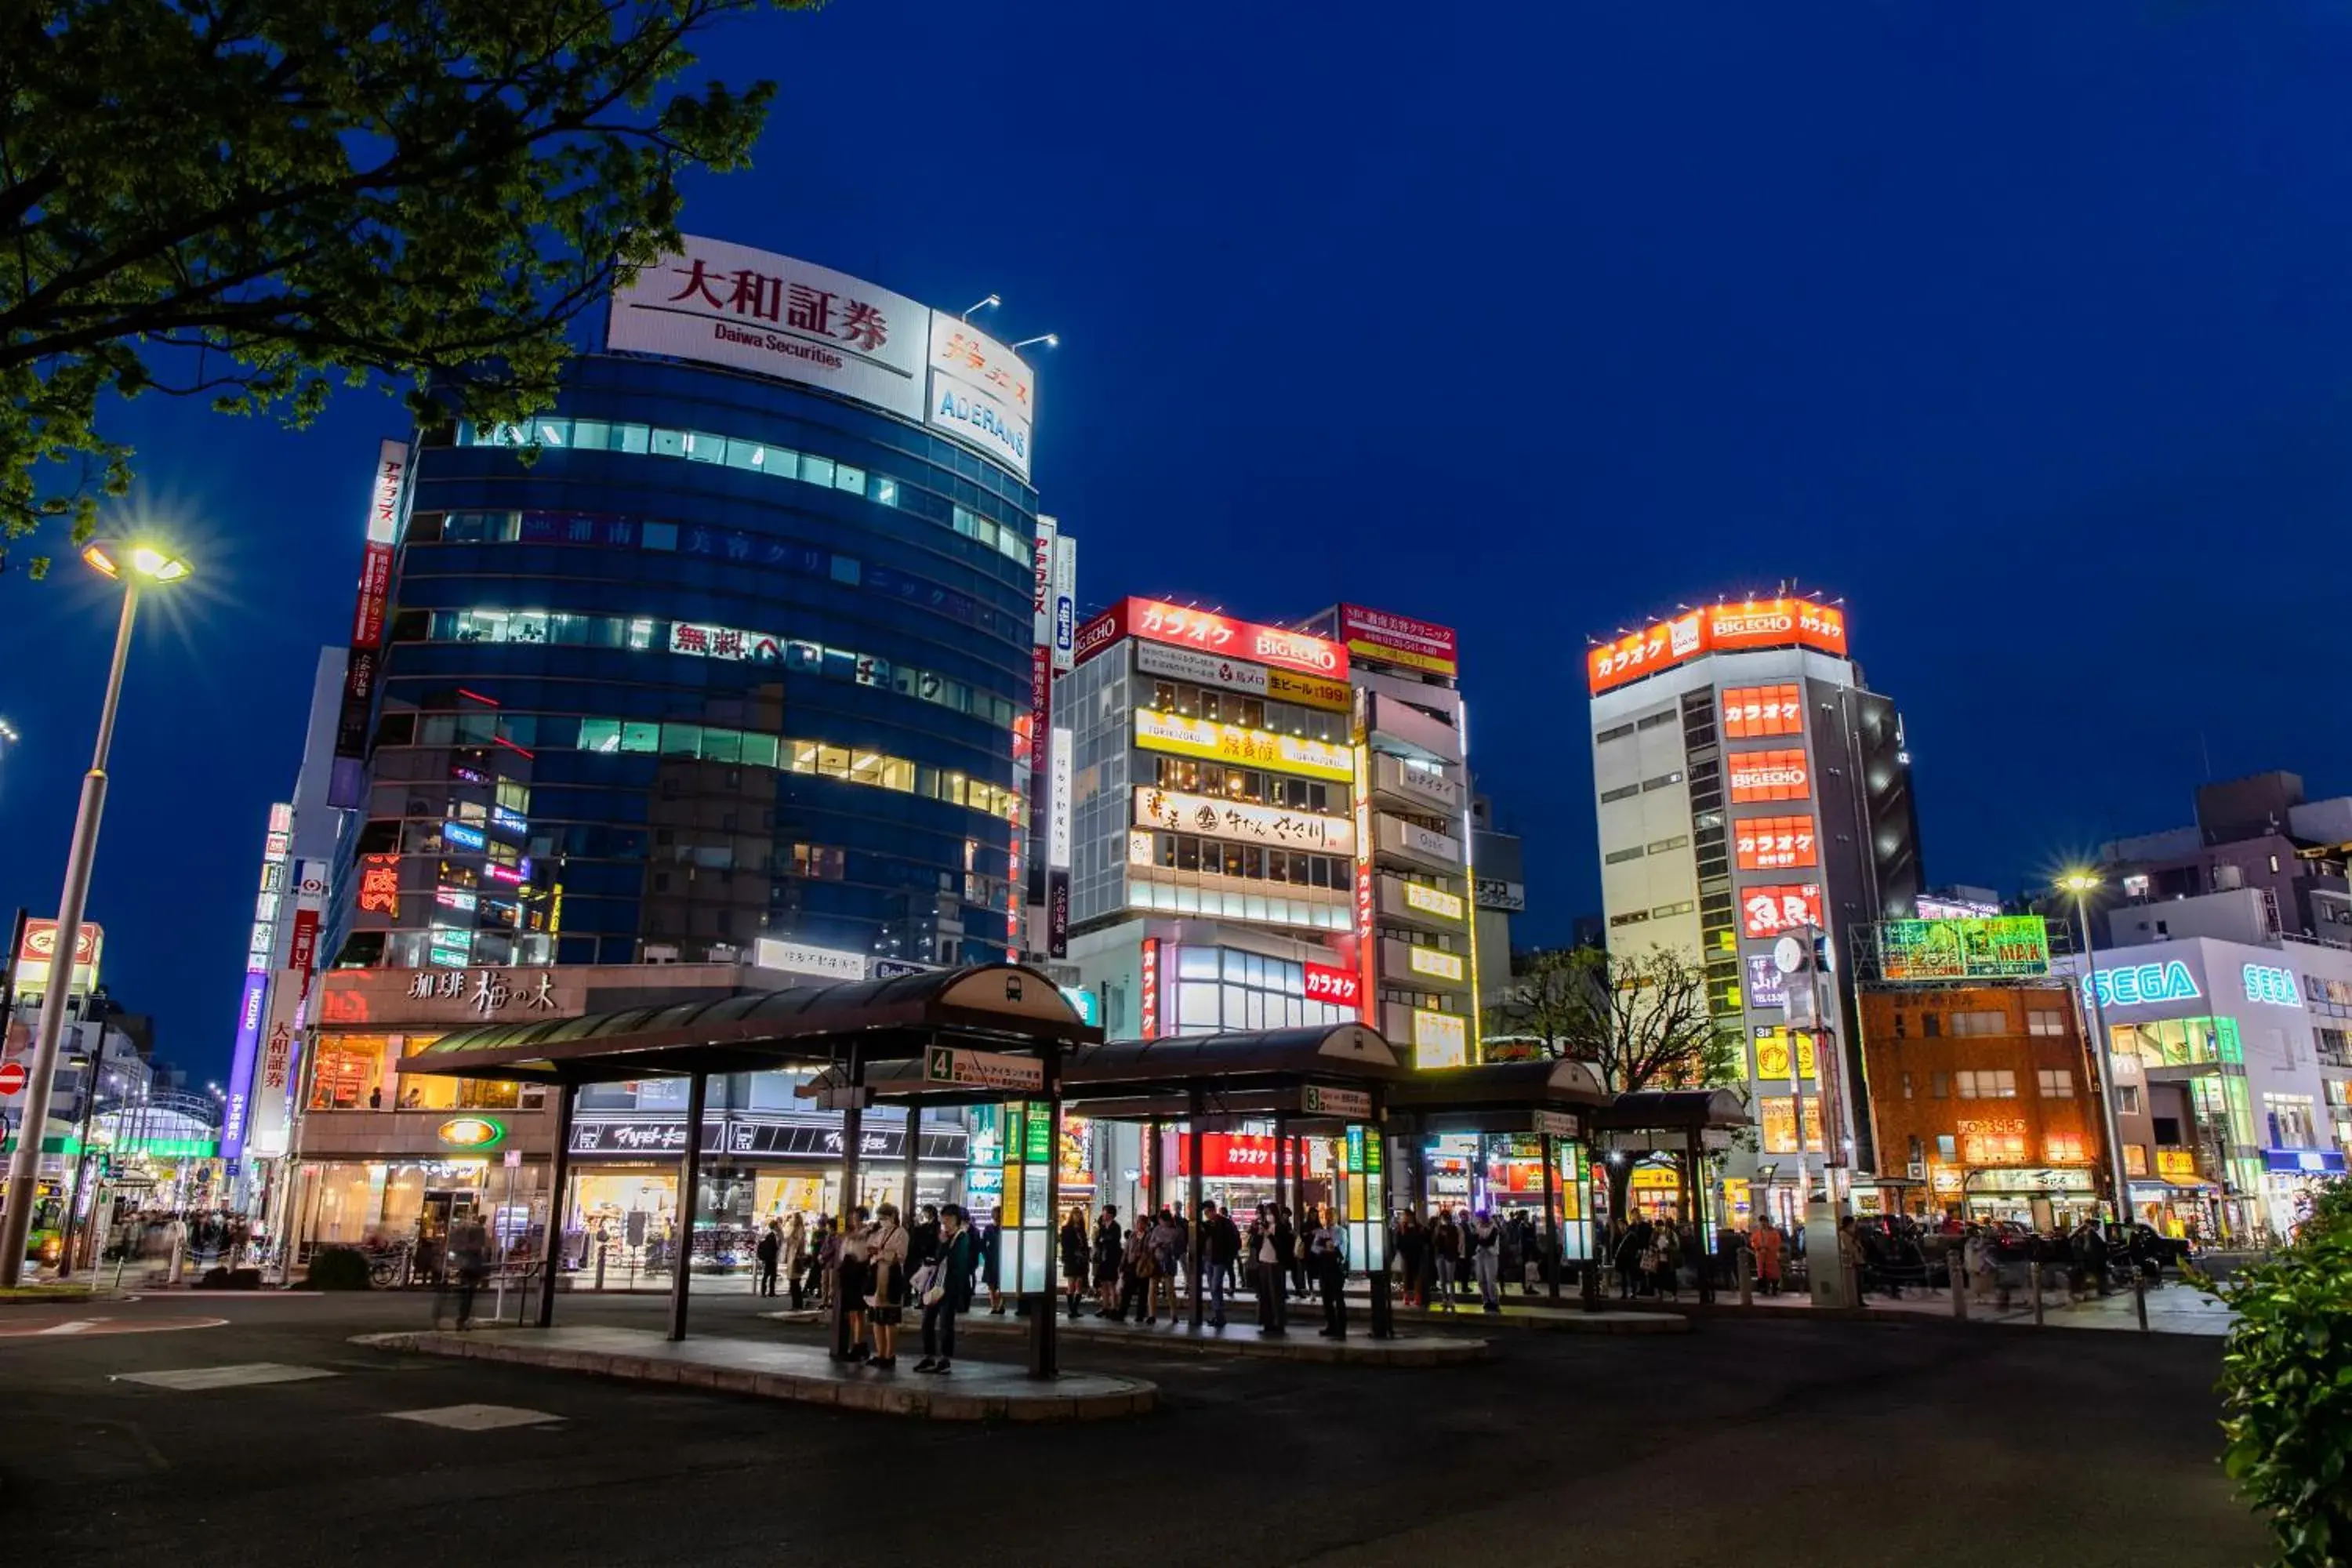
x: 1412, y: 1250
x: 1076, y: 1254
x: 949, y: 1292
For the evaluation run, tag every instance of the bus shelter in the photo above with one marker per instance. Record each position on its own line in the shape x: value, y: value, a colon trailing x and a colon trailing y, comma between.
x: 1550, y: 1102
x: 1322, y: 1081
x: 993, y: 1030
x: 1683, y: 1123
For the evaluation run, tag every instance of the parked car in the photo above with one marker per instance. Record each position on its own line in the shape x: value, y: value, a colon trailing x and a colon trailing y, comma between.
x: 2148, y: 1248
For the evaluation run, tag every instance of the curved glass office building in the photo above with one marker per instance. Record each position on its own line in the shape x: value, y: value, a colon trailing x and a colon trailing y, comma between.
x: 736, y: 642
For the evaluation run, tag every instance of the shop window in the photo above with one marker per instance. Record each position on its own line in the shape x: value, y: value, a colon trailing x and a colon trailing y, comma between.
x: 1980, y: 1023
x: 2136, y: 1159
x: 1906, y: 1094
x: 1993, y: 1148
x: 347, y: 1073
x: 1946, y: 1147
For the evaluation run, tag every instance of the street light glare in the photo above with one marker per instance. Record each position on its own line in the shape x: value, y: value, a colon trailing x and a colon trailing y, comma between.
x: 152, y: 562
x: 2079, y: 881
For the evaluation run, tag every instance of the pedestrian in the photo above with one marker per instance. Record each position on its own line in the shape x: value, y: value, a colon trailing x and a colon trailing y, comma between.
x: 1167, y: 1251
x: 1764, y: 1241
x: 469, y: 1251
x: 850, y: 1279
x: 1134, y: 1274
x: 824, y: 1261
x: 1665, y: 1260
x: 1293, y: 1249
x: 923, y: 1239
x: 1108, y: 1251
x: 795, y: 1251
x: 770, y: 1252
x: 1446, y: 1242
x: 988, y: 1243
x: 1329, y: 1261
x: 1221, y: 1242
x: 1077, y: 1252
x: 1976, y: 1260
x: 1412, y: 1252
x: 1632, y: 1250
x: 947, y: 1292
x: 885, y: 1260
x: 1266, y: 1271
x: 1487, y: 1257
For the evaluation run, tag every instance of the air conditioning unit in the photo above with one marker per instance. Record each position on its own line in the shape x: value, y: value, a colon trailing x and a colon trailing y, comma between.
x: 1918, y: 1170
x: 661, y: 953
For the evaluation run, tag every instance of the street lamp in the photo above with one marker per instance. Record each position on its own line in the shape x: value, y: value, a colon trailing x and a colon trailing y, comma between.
x: 2080, y: 884
x: 992, y: 300
x: 133, y: 564
x: 1051, y: 340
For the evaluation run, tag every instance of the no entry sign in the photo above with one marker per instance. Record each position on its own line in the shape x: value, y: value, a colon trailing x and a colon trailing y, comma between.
x: 12, y: 1078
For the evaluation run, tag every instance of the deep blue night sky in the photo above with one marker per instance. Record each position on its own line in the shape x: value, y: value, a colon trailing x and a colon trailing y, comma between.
x: 2025, y: 330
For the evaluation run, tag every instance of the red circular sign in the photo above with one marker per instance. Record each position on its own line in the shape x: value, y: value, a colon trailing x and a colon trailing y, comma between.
x: 12, y: 1077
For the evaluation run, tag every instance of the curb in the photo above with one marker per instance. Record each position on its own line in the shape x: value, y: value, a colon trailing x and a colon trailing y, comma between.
x: 1445, y: 1350
x: 928, y: 1403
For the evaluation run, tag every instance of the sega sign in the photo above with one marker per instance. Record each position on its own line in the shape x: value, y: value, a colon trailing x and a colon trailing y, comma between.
x: 2275, y: 986
x: 2138, y: 984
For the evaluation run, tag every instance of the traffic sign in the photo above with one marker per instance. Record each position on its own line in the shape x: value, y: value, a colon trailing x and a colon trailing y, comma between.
x: 1353, y: 1103
x: 983, y: 1070
x: 12, y: 1077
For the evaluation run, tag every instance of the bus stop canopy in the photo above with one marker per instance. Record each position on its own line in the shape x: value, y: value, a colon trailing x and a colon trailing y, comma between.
x: 1000, y: 1007
x: 1498, y: 1097
x: 1251, y: 1072
x: 1672, y: 1110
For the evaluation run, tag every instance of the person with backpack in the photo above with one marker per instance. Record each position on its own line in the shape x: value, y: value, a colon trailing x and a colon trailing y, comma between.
x: 1222, y: 1242
x: 947, y: 1291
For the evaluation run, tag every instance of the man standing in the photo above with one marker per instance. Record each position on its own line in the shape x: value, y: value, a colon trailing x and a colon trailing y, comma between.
x: 1222, y: 1242
x: 1329, y: 1258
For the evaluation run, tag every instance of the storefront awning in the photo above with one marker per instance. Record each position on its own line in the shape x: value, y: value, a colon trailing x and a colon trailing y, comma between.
x: 998, y: 1007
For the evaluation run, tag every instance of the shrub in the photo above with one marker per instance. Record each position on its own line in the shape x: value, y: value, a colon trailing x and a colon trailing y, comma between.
x: 338, y: 1268
x: 2286, y: 1387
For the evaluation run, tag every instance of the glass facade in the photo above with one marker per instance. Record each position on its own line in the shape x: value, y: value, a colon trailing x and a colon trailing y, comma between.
x: 697, y: 658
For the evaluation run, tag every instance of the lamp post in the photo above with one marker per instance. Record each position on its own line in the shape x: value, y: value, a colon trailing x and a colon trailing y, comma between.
x: 132, y: 565
x: 2080, y: 884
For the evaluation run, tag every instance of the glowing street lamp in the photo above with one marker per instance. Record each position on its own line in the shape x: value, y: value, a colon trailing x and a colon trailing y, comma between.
x: 1051, y: 340
x: 134, y: 563
x: 2082, y: 884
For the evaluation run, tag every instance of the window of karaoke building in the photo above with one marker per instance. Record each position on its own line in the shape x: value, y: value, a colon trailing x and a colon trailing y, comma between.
x: 734, y: 641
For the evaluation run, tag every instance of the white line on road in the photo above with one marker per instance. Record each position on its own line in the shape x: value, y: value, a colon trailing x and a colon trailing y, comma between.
x: 244, y: 1374
x: 475, y: 1417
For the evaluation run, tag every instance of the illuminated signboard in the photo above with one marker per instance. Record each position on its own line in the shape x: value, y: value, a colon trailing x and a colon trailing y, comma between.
x: 1432, y: 901
x: 777, y: 317
x: 1773, y: 1053
x: 471, y: 1133
x: 2135, y: 984
x: 1768, y: 775
x: 1148, y: 1028
x: 1768, y: 911
x: 2001, y: 947
x: 380, y: 884
x: 1400, y: 639
x: 1439, y: 1040
x: 982, y: 393
x: 37, y: 955
x: 1234, y: 675
x: 1432, y: 962
x: 1765, y: 986
x: 1216, y: 742
x: 463, y: 835
x: 1723, y: 628
x: 1155, y: 620
x: 1752, y: 712
x: 2275, y: 986
x: 1236, y: 819
x: 1340, y: 987
x: 1773, y: 843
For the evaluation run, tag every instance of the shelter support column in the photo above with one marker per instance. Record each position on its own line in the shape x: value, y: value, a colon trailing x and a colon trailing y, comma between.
x: 1553, y: 1257
x: 1282, y: 1172
x: 1694, y: 1184
x: 1195, y: 1110
x: 689, y: 1196
x: 907, y: 1185
x: 567, y: 1101
x: 853, y: 1134
x: 1044, y: 1362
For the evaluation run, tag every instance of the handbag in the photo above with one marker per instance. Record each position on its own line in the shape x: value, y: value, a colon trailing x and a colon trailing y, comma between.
x: 924, y: 1282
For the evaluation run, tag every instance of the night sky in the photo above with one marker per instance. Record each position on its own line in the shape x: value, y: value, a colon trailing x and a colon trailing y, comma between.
x: 2022, y: 329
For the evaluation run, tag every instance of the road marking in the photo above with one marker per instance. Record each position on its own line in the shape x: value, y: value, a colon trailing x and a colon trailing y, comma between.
x: 46, y: 1327
x: 244, y: 1374
x: 475, y: 1417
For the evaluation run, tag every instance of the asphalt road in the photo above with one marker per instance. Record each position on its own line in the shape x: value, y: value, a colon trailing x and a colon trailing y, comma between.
x: 1747, y: 1443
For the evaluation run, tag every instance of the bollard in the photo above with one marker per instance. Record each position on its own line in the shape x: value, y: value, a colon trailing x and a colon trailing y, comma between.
x: 1960, y: 1291
x: 602, y: 1249
x: 2139, y: 1297
x: 2033, y: 1283
x: 1746, y: 1277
